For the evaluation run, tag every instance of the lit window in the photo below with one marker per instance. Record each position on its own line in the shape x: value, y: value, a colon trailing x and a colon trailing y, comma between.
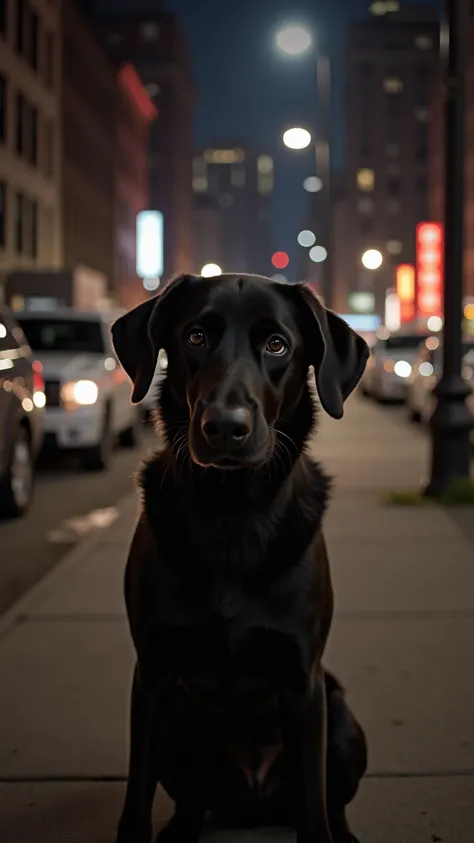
x: 265, y: 164
x: 423, y: 42
x: 384, y: 7
x: 392, y: 85
x: 394, y: 247
x: 264, y: 174
x: 393, y: 150
x: 422, y: 115
x: 365, y: 205
x: 224, y: 156
x: 150, y: 31
x: 366, y: 180
x: 200, y: 184
x: 153, y: 89
x: 199, y: 166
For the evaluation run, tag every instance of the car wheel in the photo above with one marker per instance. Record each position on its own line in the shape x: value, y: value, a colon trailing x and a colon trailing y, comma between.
x: 97, y: 458
x: 130, y: 437
x: 16, y: 488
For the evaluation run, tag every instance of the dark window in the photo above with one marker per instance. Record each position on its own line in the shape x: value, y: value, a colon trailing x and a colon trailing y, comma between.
x: 48, y: 70
x: 393, y: 187
x: 3, y: 108
x: 20, y: 26
x: 3, y: 16
x: 34, y: 229
x: 20, y: 116
x: 34, y: 135
x: 34, y: 30
x: 3, y: 213
x: 19, y: 212
x: 48, y: 143
x: 365, y: 150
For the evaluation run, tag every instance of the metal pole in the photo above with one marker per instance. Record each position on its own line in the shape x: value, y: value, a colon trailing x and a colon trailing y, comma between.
x: 323, y: 169
x: 451, y: 421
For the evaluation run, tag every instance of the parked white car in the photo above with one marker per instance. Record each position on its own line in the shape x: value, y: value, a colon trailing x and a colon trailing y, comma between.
x: 88, y: 405
x: 390, y: 366
x: 424, y: 376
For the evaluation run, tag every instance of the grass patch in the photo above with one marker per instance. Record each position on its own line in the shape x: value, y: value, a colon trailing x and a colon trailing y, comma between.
x: 460, y: 493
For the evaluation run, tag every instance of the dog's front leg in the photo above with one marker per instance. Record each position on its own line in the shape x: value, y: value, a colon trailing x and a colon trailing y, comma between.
x: 146, y: 726
x: 304, y: 734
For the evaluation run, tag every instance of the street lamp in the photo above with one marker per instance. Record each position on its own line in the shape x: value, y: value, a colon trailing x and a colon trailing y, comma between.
x: 294, y: 41
x: 297, y: 138
x: 211, y: 270
x: 451, y: 421
x: 372, y: 259
x: 312, y: 184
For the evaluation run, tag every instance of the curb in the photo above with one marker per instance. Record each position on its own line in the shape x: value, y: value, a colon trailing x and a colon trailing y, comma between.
x: 16, y: 612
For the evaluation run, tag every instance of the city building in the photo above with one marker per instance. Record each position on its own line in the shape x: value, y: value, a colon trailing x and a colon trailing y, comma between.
x: 88, y: 115
x: 392, y: 62
x: 233, y: 188
x: 30, y: 172
x: 135, y: 115
x: 436, y: 164
x: 154, y: 43
x: 106, y: 116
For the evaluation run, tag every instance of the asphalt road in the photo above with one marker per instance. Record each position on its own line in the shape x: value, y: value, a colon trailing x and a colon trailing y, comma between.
x: 68, y: 504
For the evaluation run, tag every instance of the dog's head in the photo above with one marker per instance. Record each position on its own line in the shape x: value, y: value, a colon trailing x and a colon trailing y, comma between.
x: 239, y: 348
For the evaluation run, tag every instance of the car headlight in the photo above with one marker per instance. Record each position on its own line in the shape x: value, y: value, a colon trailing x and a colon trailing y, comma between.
x: 402, y: 368
x: 80, y: 393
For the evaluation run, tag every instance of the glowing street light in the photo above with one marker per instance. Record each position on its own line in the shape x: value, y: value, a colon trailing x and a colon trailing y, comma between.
x: 294, y: 40
x: 318, y: 254
x: 297, y: 138
x: 210, y: 270
x: 306, y: 239
x: 312, y: 184
x: 372, y: 259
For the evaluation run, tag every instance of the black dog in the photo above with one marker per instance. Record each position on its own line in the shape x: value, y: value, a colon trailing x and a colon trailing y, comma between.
x: 227, y: 586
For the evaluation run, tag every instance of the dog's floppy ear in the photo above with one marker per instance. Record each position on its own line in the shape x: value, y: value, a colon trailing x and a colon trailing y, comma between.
x: 139, y: 335
x: 338, y: 355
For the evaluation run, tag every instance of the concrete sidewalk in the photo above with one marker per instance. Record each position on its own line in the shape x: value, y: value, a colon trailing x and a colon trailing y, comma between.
x: 402, y: 643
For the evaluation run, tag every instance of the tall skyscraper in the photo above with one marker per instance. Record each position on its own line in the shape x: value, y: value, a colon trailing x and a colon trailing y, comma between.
x: 233, y: 188
x: 392, y: 62
x: 152, y: 41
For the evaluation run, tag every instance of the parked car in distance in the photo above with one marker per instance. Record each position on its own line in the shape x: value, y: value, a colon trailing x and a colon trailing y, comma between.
x: 22, y: 400
x: 88, y: 405
x: 390, y: 365
x: 425, y: 373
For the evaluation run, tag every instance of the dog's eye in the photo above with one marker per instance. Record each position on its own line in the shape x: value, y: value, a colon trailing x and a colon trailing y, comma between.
x: 276, y: 345
x: 196, y: 338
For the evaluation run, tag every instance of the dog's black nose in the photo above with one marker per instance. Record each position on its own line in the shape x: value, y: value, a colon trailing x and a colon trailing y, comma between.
x: 226, y: 428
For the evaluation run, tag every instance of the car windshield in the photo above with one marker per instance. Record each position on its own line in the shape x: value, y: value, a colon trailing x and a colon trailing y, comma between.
x: 64, y: 335
x: 411, y: 342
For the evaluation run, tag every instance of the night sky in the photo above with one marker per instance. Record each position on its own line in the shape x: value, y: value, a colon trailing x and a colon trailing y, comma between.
x: 248, y: 93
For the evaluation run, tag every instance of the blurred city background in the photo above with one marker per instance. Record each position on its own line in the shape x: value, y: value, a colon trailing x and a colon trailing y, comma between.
x: 141, y: 139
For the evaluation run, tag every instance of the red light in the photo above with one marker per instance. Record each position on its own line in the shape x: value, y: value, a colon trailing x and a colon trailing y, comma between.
x: 429, y: 268
x: 38, y: 382
x: 280, y: 260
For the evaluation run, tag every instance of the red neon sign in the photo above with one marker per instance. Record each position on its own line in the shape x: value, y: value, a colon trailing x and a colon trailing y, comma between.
x: 405, y: 289
x: 430, y: 268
